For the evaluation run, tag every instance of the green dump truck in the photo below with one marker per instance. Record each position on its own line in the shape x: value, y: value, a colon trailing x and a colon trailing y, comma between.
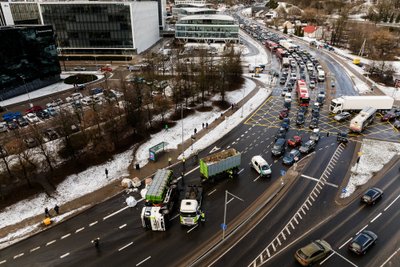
x: 160, y: 199
x: 226, y: 163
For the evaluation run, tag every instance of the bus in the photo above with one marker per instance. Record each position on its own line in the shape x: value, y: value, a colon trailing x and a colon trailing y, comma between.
x: 363, y: 119
x: 302, y: 93
x: 271, y: 45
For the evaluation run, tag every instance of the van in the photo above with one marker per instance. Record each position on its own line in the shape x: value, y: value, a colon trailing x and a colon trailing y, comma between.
x: 261, y: 166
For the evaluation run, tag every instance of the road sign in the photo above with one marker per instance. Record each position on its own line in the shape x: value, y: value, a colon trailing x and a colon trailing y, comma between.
x: 224, y: 226
x: 283, y: 172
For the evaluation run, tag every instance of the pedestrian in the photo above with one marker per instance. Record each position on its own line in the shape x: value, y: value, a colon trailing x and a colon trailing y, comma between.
x: 202, y: 125
x: 232, y: 105
x: 57, y: 209
x: 169, y: 160
x: 96, y: 242
x: 195, y: 130
x: 202, y: 217
x: 206, y: 125
x: 327, y: 134
x: 46, y: 212
x: 106, y: 171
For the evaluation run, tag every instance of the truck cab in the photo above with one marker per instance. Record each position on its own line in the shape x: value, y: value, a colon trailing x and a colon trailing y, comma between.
x: 261, y: 166
x: 190, y: 206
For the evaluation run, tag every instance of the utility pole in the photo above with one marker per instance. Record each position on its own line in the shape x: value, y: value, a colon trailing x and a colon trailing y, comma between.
x: 224, y: 226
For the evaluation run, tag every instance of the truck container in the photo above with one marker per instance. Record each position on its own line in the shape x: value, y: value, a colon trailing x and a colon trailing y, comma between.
x: 227, y: 161
x: 363, y: 119
x: 156, y: 192
x: 357, y: 103
x: 190, y: 208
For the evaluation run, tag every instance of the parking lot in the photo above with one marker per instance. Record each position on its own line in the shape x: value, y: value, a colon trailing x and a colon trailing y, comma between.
x: 268, y: 116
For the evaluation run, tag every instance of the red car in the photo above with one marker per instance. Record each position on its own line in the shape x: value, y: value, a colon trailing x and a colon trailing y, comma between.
x: 389, y: 116
x: 106, y: 68
x: 294, y: 141
x: 283, y: 114
x: 33, y: 109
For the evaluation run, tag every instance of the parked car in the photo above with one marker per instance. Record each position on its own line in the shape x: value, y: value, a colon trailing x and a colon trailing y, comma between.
x: 396, y: 124
x: 22, y: 122
x: 314, y: 123
x: 12, y: 125
x: 74, y: 96
x: 294, y: 141
x: 342, y: 137
x: 291, y: 157
x: 43, y: 114
x: 342, y: 116
x: 32, y: 118
x: 51, y: 134
x: 33, y: 109
x: 315, y: 135
x: 372, y: 195
x: 300, y: 119
x: 3, y: 127
x: 281, y: 133
x: 51, y: 111
x: 391, y: 115
x: 87, y: 101
x: 362, y: 242
x: 79, y: 68
x: 283, y: 113
x: 313, y: 252
x: 30, y: 142
x: 307, y: 147
x: 279, y: 147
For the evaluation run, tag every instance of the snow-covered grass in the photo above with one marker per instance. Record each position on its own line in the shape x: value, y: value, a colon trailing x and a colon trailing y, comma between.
x: 371, y: 162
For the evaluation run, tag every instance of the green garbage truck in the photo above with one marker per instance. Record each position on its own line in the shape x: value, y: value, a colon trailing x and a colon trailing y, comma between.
x: 224, y: 163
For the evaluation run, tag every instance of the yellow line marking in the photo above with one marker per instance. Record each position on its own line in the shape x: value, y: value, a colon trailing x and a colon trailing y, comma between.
x: 255, y: 112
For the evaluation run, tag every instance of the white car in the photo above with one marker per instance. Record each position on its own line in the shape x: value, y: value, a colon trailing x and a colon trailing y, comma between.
x: 87, y: 101
x: 32, y: 118
x: 3, y: 127
x: 74, y: 96
x: 288, y: 97
x: 342, y: 116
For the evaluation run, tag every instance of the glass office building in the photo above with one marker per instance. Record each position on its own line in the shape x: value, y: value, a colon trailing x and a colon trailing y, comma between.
x: 114, y: 28
x: 207, y: 28
x: 28, y: 59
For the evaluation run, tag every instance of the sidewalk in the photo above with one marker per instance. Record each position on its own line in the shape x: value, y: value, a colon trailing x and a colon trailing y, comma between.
x: 115, y: 188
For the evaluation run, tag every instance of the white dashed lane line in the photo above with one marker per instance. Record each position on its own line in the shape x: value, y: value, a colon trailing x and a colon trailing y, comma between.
x: 80, y: 229
x: 213, y: 191
x: 122, y: 226
x: 4, y: 261
x: 146, y: 259
x: 344, y: 244
x: 93, y: 223
x: 19, y: 255
x: 191, y: 229
x: 65, y: 236
x: 376, y: 217
x: 114, y: 213
x: 65, y: 255
x: 34, y: 249
x: 124, y: 247
x: 51, y: 242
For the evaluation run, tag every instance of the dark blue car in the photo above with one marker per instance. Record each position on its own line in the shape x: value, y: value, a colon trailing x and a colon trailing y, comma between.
x: 291, y: 157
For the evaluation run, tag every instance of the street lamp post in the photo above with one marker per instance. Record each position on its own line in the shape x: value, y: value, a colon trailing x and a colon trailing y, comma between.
x: 26, y: 90
x: 224, y: 226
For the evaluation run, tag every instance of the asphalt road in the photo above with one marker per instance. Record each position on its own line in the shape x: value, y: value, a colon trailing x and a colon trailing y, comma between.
x: 345, y: 223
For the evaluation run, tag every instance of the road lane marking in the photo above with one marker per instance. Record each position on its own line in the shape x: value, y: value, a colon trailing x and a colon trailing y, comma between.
x: 65, y: 255
x: 177, y: 215
x: 114, y: 213
x: 344, y: 244
x: 258, y: 177
x: 295, y: 219
x: 273, y: 246
x: 228, y: 147
x: 326, y: 258
x: 241, y: 171
x: 32, y: 250
x: 376, y: 217
x: 93, y: 223
x: 51, y: 242
x: 19, y: 255
x: 65, y: 236
x: 124, y: 247
x: 392, y: 203
x: 390, y: 257
x: 212, y: 192
x: 191, y: 229
x: 122, y: 226
x: 229, y: 200
x: 80, y: 229
x: 345, y: 259
x: 4, y: 261
x: 315, y: 179
x: 362, y: 229
x: 279, y: 241
x: 143, y: 260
